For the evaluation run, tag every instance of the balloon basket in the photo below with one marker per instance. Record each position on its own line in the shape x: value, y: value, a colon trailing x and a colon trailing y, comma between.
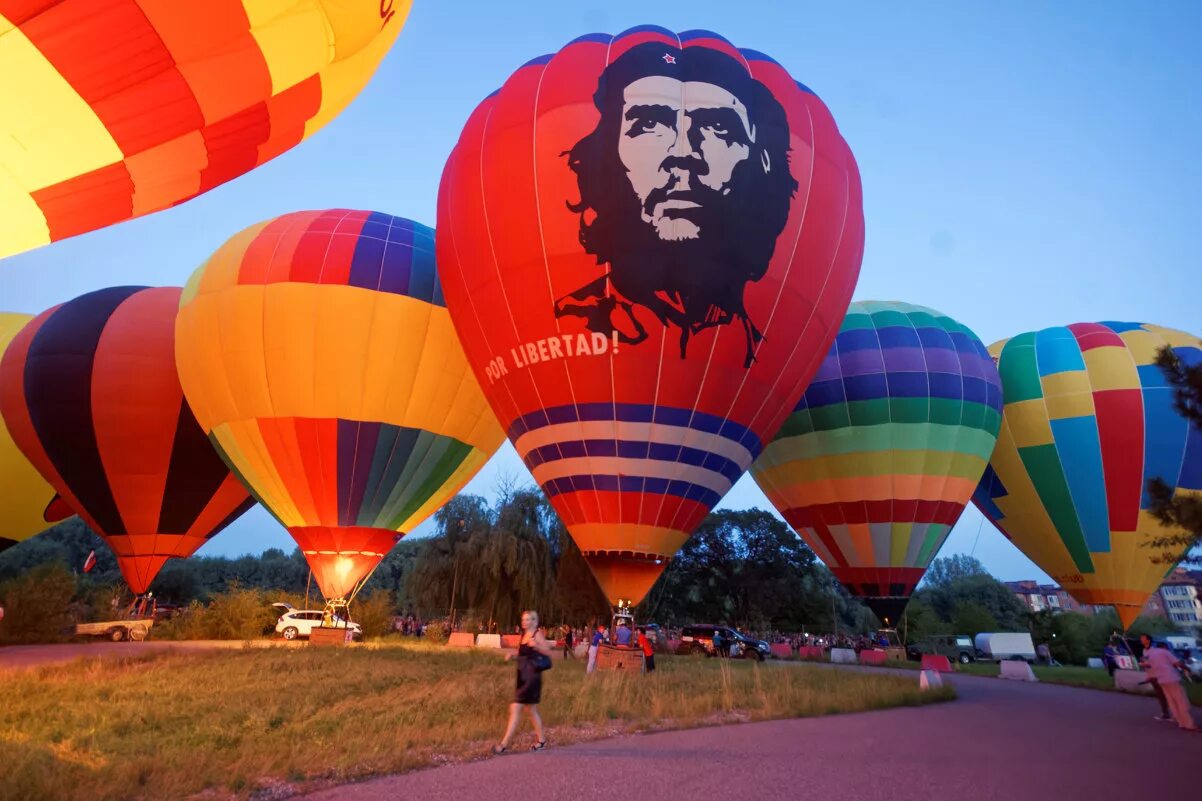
x: 326, y: 636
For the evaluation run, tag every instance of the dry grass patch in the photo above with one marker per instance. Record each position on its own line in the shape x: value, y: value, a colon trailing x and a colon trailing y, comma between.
x: 264, y: 722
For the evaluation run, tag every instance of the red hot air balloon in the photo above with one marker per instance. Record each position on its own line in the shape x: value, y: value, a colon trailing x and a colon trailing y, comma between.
x: 647, y: 242
x: 91, y: 397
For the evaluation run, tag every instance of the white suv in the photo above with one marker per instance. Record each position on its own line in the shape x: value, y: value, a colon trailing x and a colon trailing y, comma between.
x: 298, y: 623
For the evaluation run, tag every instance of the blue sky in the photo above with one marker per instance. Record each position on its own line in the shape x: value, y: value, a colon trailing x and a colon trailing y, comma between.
x: 1024, y: 164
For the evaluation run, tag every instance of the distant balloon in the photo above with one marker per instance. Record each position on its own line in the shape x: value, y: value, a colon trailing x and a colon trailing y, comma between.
x: 118, y: 109
x: 647, y: 243
x: 28, y: 505
x: 90, y: 395
x: 883, y: 451
x: 317, y: 352
x: 1088, y: 421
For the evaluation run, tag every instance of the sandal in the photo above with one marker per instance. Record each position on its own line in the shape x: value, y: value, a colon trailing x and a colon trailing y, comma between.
x: 499, y: 749
x: 540, y: 745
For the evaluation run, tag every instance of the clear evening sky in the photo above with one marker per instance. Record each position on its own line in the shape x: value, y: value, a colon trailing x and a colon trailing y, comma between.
x: 1024, y: 164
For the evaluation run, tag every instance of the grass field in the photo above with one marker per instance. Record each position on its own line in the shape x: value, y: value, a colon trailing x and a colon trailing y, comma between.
x: 264, y: 722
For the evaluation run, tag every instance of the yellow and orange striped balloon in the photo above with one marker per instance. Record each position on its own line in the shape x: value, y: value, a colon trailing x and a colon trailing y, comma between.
x: 111, y: 110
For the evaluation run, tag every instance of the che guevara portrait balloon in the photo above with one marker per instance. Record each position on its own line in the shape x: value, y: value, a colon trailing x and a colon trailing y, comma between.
x: 648, y: 243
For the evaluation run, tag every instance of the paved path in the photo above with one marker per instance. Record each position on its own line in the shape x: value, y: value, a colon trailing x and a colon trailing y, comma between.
x: 1001, y: 740
x: 22, y: 657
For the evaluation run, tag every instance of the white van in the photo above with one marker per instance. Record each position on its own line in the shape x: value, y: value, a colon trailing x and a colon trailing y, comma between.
x: 1005, y: 645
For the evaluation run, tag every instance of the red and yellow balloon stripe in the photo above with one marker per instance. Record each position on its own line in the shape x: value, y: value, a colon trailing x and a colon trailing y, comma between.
x: 126, y: 107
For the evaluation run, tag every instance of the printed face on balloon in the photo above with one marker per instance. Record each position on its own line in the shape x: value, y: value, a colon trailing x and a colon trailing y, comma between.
x: 684, y: 188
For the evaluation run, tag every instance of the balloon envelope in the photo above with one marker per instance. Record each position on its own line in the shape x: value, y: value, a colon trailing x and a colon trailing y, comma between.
x: 127, y: 107
x: 90, y: 394
x: 883, y: 451
x: 1088, y: 422
x: 647, y: 243
x: 28, y: 505
x: 317, y: 352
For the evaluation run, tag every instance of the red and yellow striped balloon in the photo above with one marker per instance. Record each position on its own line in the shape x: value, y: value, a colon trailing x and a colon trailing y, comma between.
x: 111, y: 109
x: 318, y: 354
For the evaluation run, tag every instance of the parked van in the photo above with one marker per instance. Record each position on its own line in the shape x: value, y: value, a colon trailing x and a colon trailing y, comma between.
x: 997, y: 646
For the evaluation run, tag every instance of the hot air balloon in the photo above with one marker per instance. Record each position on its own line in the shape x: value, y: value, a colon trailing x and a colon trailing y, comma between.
x: 317, y: 352
x: 883, y: 451
x: 90, y: 395
x: 1088, y: 422
x: 647, y: 242
x: 28, y: 505
x: 129, y: 107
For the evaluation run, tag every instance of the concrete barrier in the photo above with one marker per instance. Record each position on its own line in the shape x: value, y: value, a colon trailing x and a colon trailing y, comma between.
x: 1017, y: 669
x: 510, y: 640
x: 1094, y: 662
x: 936, y: 662
x: 929, y: 679
x: 873, y: 657
x: 461, y: 639
x: 843, y: 656
x: 1132, y: 681
x: 811, y: 652
x: 488, y: 640
x: 782, y: 650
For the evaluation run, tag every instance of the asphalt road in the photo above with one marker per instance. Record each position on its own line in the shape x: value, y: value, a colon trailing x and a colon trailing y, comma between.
x: 999, y: 740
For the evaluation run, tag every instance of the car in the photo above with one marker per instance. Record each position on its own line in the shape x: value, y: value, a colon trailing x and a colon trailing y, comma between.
x: 699, y: 640
x: 956, y: 647
x: 299, y: 623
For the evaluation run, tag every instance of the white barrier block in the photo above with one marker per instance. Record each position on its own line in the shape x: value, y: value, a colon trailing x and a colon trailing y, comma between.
x: 843, y: 656
x: 929, y: 679
x: 1094, y: 662
x: 1132, y: 681
x: 488, y: 640
x: 1018, y: 670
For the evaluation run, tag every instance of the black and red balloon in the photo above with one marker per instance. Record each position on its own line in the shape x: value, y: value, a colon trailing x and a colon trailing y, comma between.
x: 90, y: 393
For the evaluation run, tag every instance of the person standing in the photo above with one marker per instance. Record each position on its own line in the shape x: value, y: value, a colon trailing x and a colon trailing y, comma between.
x: 1162, y: 666
x: 569, y: 643
x: 594, y: 646
x: 1153, y: 679
x: 648, y: 651
x: 528, y: 693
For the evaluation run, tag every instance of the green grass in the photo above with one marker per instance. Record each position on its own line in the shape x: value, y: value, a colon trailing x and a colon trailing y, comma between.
x: 234, y: 722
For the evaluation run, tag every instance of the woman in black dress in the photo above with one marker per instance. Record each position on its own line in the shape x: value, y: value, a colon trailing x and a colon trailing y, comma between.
x: 529, y: 683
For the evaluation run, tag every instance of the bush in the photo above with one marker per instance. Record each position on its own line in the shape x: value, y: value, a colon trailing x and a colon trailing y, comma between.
x: 37, y: 605
x: 239, y: 614
x: 438, y: 631
x: 375, y: 613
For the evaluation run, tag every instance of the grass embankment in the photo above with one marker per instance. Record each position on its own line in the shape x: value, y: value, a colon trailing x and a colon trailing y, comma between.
x: 1071, y: 675
x: 259, y: 721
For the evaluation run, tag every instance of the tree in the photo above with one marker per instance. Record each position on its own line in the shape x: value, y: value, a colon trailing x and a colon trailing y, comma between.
x: 946, y: 569
x: 972, y: 619
x: 1182, y: 513
x: 37, y: 605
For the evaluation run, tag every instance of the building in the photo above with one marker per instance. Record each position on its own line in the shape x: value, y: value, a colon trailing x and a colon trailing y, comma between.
x: 1179, y: 599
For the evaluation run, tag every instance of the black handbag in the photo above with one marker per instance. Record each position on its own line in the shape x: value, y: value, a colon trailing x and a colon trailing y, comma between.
x: 542, y: 662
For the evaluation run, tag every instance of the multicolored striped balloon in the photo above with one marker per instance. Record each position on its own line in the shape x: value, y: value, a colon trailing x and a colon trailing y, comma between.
x: 1088, y: 422
x: 647, y: 241
x: 90, y: 394
x: 110, y: 110
x: 883, y: 451
x: 317, y: 352
x: 28, y: 504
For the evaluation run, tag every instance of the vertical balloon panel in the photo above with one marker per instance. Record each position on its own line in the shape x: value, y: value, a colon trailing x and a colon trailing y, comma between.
x: 647, y: 242
x: 1089, y: 420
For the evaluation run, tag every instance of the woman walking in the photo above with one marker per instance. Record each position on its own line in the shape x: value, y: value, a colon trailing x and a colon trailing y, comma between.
x: 534, y: 655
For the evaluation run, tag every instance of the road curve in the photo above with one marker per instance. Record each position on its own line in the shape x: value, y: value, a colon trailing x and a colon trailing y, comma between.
x: 1000, y: 740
